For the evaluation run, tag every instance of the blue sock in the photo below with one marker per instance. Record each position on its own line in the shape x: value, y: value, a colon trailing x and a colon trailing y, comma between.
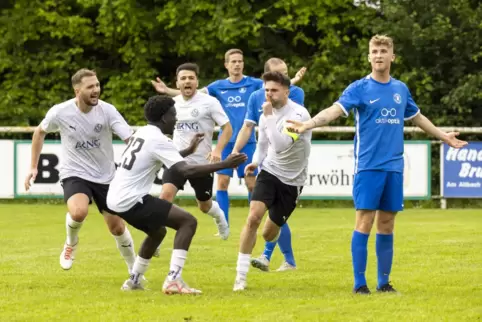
x: 284, y: 243
x: 359, y: 254
x: 384, y: 249
x: 223, y: 200
x: 268, y: 249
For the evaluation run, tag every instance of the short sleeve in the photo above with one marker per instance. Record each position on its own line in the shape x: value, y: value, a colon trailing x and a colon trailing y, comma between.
x: 212, y: 88
x: 411, y: 110
x: 50, y: 122
x: 217, y: 113
x: 166, y: 151
x: 252, y: 114
x: 350, y: 98
x: 297, y: 95
x: 118, y: 124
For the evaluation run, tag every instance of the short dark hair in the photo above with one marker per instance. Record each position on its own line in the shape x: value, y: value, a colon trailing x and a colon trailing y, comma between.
x: 277, y: 77
x: 80, y: 74
x: 157, y: 106
x: 188, y: 66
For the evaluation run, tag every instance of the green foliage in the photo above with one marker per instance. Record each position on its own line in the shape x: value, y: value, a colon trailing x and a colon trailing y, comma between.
x: 130, y: 42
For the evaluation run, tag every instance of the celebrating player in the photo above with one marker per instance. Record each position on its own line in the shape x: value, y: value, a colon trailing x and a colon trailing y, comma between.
x: 148, y: 150
x: 246, y: 134
x: 87, y: 163
x: 197, y: 113
x: 283, y: 159
x: 381, y: 105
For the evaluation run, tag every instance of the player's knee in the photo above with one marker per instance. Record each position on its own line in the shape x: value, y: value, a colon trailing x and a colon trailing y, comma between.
x: 159, y: 234
x: 190, y: 224
x: 205, y: 206
x: 364, y: 221
x: 78, y: 212
x: 253, y: 221
x: 116, y: 225
x: 385, y: 224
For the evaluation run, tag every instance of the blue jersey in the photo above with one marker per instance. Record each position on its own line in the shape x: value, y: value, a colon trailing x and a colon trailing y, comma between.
x: 234, y: 99
x: 257, y: 99
x: 380, y: 111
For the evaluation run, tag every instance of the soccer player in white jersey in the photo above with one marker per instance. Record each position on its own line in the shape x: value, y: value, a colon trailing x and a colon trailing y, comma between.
x: 283, y: 159
x: 197, y: 113
x: 149, y: 149
x: 381, y: 104
x: 87, y: 160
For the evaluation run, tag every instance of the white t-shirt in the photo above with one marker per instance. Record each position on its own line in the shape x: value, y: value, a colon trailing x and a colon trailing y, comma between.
x: 197, y: 115
x: 86, y: 139
x: 147, y: 151
x: 276, y: 152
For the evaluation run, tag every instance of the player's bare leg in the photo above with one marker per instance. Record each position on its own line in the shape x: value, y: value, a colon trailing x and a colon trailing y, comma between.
x: 212, y: 209
x: 168, y: 193
x: 257, y: 209
x: 363, y: 226
x: 148, y: 248
x: 78, y: 208
x: 186, y: 226
x: 123, y: 238
x: 384, y: 248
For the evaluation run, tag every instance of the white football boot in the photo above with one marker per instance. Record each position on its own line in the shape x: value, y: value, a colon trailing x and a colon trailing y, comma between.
x: 67, y: 256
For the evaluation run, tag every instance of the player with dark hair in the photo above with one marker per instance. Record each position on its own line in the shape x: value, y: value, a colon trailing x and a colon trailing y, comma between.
x: 283, y: 159
x: 148, y: 150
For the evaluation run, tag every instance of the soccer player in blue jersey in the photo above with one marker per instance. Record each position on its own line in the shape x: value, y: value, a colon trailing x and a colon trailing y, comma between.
x: 381, y: 104
x: 233, y: 94
x: 256, y: 100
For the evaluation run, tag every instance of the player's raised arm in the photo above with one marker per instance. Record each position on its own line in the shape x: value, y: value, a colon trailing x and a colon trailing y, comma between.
x: 199, y: 170
x: 299, y: 76
x: 428, y: 127
x: 248, y: 126
x: 162, y: 88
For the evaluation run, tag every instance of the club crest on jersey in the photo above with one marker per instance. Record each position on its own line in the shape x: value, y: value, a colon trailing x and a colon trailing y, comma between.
x: 242, y: 90
x: 194, y: 112
x: 98, y: 128
x: 397, y: 98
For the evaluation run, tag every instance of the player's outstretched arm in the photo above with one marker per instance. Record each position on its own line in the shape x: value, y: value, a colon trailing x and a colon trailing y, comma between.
x: 199, y: 170
x: 428, y: 127
x: 37, y: 144
x: 321, y: 119
x: 162, y: 88
x: 193, y: 145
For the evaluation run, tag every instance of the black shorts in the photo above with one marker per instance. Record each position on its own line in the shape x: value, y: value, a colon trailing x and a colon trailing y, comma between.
x: 279, y: 198
x: 95, y: 191
x: 203, y: 187
x: 148, y: 216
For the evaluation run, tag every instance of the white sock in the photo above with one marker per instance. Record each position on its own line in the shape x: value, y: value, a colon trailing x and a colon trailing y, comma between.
x: 178, y: 259
x: 139, y: 268
x: 125, y: 244
x: 242, y: 267
x: 73, y: 228
x: 215, y: 211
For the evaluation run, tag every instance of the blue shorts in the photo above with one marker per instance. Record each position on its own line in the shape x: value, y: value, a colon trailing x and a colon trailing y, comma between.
x: 248, y: 149
x: 378, y: 190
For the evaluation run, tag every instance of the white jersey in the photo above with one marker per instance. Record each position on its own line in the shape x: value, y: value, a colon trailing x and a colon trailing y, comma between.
x: 147, y: 151
x: 197, y: 115
x: 277, y: 152
x: 86, y: 139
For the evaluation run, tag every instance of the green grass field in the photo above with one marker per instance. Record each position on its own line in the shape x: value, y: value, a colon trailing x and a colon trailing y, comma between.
x: 437, y: 269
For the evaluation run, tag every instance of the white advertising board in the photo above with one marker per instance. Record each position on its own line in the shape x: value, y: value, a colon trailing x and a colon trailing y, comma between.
x: 330, y: 172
